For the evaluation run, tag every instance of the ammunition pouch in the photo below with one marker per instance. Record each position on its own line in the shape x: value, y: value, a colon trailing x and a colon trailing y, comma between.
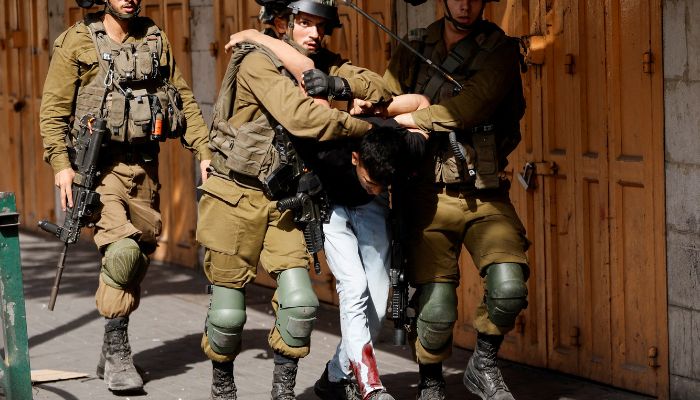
x: 138, y: 104
x: 474, y: 161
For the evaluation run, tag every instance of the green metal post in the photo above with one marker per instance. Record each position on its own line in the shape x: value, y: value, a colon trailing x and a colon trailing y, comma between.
x: 15, y: 374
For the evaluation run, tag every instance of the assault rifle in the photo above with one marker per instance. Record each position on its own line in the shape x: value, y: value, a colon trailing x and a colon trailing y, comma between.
x: 86, y: 202
x: 397, y: 271
x: 311, y: 211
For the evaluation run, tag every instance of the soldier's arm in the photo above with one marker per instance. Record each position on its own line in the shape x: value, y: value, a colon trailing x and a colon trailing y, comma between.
x: 60, y: 88
x: 479, y: 97
x: 196, y: 137
x: 364, y: 84
x: 295, y: 62
x: 288, y: 106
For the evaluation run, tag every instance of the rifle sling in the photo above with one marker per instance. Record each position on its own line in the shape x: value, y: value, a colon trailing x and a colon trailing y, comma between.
x: 463, y: 53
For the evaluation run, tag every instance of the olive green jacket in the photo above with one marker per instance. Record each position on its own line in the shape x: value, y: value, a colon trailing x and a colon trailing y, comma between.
x: 492, y: 93
x: 261, y: 88
x: 74, y: 64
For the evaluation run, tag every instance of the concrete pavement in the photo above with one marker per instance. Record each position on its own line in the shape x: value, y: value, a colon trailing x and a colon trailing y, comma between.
x: 165, y: 333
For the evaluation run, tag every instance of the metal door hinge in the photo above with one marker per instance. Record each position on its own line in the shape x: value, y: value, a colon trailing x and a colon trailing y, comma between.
x: 569, y: 63
x: 575, y: 336
x: 647, y: 61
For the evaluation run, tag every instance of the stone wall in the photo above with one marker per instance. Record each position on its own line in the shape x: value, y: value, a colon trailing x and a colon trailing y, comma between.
x: 682, y: 139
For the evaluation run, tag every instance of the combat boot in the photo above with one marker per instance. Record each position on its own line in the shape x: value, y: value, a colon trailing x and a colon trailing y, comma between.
x: 223, y: 386
x: 482, y: 376
x: 380, y: 394
x: 343, y: 390
x: 432, y: 383
x: 116, y: 366
x: 283, y: 380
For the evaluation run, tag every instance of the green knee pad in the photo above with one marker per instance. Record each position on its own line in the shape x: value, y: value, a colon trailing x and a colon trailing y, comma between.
x: 438, y: 313
x: 506, y: 292
x: 226, y: 319
x: 123, y: 264
x: 297, y: 307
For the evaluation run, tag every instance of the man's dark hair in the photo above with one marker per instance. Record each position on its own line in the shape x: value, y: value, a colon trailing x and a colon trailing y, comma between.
x: 379, y: 153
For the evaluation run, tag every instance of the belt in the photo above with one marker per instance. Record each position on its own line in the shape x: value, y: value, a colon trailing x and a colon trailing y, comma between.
x: 481, y: 128
x: 468, y: 188
x: 245, y: 180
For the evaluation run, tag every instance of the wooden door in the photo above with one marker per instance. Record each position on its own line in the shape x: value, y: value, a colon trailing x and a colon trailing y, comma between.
x: 178, y: 202
x: 637, y: 197
x: 178, y: 205
x: 231, y: 17
x: 595, y: 111
x: 24, y: 49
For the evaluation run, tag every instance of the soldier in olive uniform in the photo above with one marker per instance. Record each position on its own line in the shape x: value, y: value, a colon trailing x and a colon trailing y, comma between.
x: 118, y: 66
x: 461, y: 196
x: 239, y: 222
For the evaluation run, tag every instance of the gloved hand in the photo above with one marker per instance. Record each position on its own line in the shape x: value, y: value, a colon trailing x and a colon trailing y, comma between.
x: 317, y: 83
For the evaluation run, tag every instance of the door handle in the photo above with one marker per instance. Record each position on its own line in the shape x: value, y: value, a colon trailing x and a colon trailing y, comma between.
x: 532, y: 169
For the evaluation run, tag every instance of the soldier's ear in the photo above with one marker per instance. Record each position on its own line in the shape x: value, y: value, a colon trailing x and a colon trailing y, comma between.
x: 355, y: 158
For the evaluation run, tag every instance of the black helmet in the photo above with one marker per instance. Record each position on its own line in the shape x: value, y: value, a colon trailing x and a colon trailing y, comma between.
x: 325, y: 9
x: 88, y: 3
x: 108, y: 8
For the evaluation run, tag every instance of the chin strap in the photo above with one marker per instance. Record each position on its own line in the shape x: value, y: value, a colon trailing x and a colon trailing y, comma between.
x: 460, y: 26
x: 111, y: 11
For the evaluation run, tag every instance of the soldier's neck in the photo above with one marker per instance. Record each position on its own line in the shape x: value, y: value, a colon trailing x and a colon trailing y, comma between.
x: 117, y: 29
x: 453, y: 35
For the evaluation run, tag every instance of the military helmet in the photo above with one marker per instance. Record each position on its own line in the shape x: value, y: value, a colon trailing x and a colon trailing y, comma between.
x: 88, y: 3
x: 269, y: 13
x: 325, y: 9
x: 108, y: 8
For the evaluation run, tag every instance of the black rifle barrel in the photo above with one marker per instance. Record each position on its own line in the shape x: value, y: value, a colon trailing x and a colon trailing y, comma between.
x: 351, y: 4
x: 57, y: 279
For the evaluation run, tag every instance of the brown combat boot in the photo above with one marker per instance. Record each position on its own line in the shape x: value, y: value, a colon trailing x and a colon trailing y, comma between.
x: 223, y: 386
x: 482, y: 376
x: 116, y: 365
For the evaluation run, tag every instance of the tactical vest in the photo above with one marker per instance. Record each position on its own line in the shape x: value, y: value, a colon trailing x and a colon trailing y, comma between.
x: 138, y: 103
x: 248, y: 150
x: 479, y: 153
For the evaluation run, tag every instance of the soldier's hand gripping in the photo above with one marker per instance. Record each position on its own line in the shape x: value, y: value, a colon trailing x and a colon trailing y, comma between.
x: 317, y: 83
x: 64, y: 181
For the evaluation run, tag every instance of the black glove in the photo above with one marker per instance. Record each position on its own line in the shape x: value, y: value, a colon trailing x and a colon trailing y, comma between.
x: 317, y: 83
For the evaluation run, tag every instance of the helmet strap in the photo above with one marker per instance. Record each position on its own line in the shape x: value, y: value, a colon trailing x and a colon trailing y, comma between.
x: 460, y: 26
x: 111, y: 11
